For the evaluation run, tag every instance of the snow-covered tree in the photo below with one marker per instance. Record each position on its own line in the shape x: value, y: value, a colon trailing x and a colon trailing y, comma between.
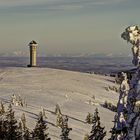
x: 2, y: 109
x: 57, y: 109
x: 89, y: 118
x: 86, y: 137
x: 97, y: 132
x: 2, y: 129
x: 23, y: 122
x: 12, y: 131
x: 128, y: 124
x: 40, y: 129
x: 43, y: 112
x: 27, y: 135
x: 59, y: 120
x: 65, y: 129
x: 120, y: 126
x: 114, y: 132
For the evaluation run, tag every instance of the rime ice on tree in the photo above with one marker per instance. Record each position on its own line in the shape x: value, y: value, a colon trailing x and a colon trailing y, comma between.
x: 124, y: 89
x: 129, y: 101
x: 132, y: 35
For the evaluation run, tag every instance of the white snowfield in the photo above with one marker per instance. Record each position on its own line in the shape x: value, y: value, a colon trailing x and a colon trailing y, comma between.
x: 71, y: 90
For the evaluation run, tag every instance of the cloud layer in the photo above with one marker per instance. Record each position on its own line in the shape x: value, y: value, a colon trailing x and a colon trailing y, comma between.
x: 56, y: 2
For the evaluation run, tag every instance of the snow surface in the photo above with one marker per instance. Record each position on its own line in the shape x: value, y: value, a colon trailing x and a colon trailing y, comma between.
x: 71, y: 90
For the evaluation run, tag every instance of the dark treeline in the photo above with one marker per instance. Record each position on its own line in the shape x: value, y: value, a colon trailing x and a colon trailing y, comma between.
x: 11, y: 129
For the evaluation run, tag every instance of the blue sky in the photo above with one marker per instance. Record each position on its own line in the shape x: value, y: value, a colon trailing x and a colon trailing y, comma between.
x: 67, y: 26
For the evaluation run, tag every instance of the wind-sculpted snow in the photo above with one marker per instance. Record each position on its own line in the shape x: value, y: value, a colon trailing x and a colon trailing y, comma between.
x: 132, y: 35
x: 71, y: 90
x: 129, y: 101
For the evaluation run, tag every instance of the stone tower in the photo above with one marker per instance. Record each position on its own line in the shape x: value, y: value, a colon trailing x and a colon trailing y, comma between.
x: 33, y: 46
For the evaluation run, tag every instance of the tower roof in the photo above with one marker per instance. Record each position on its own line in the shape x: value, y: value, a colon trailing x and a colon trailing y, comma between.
x: 33, y: 43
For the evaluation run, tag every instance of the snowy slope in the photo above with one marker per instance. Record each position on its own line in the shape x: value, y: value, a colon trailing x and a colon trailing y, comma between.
x: 71, y: 90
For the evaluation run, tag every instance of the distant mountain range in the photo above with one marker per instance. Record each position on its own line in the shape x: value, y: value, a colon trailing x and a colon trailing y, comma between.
x: 26, y: 54
x: 14, y: 54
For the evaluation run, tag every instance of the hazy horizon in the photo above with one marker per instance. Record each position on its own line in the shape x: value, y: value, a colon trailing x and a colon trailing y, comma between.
x: 67, y: 26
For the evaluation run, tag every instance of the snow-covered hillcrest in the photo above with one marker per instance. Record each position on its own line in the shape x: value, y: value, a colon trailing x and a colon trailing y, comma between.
x: 73, y: 91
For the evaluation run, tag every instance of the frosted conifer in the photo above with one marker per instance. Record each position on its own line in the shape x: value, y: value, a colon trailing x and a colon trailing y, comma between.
x: 12, y: 130
x: 89, y: 118
x: 57, y: 109
x: 40, y: 129
x: 59, y: 120
x: 97, y: 132
x: 65, y: 129
x: 2, y: 110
